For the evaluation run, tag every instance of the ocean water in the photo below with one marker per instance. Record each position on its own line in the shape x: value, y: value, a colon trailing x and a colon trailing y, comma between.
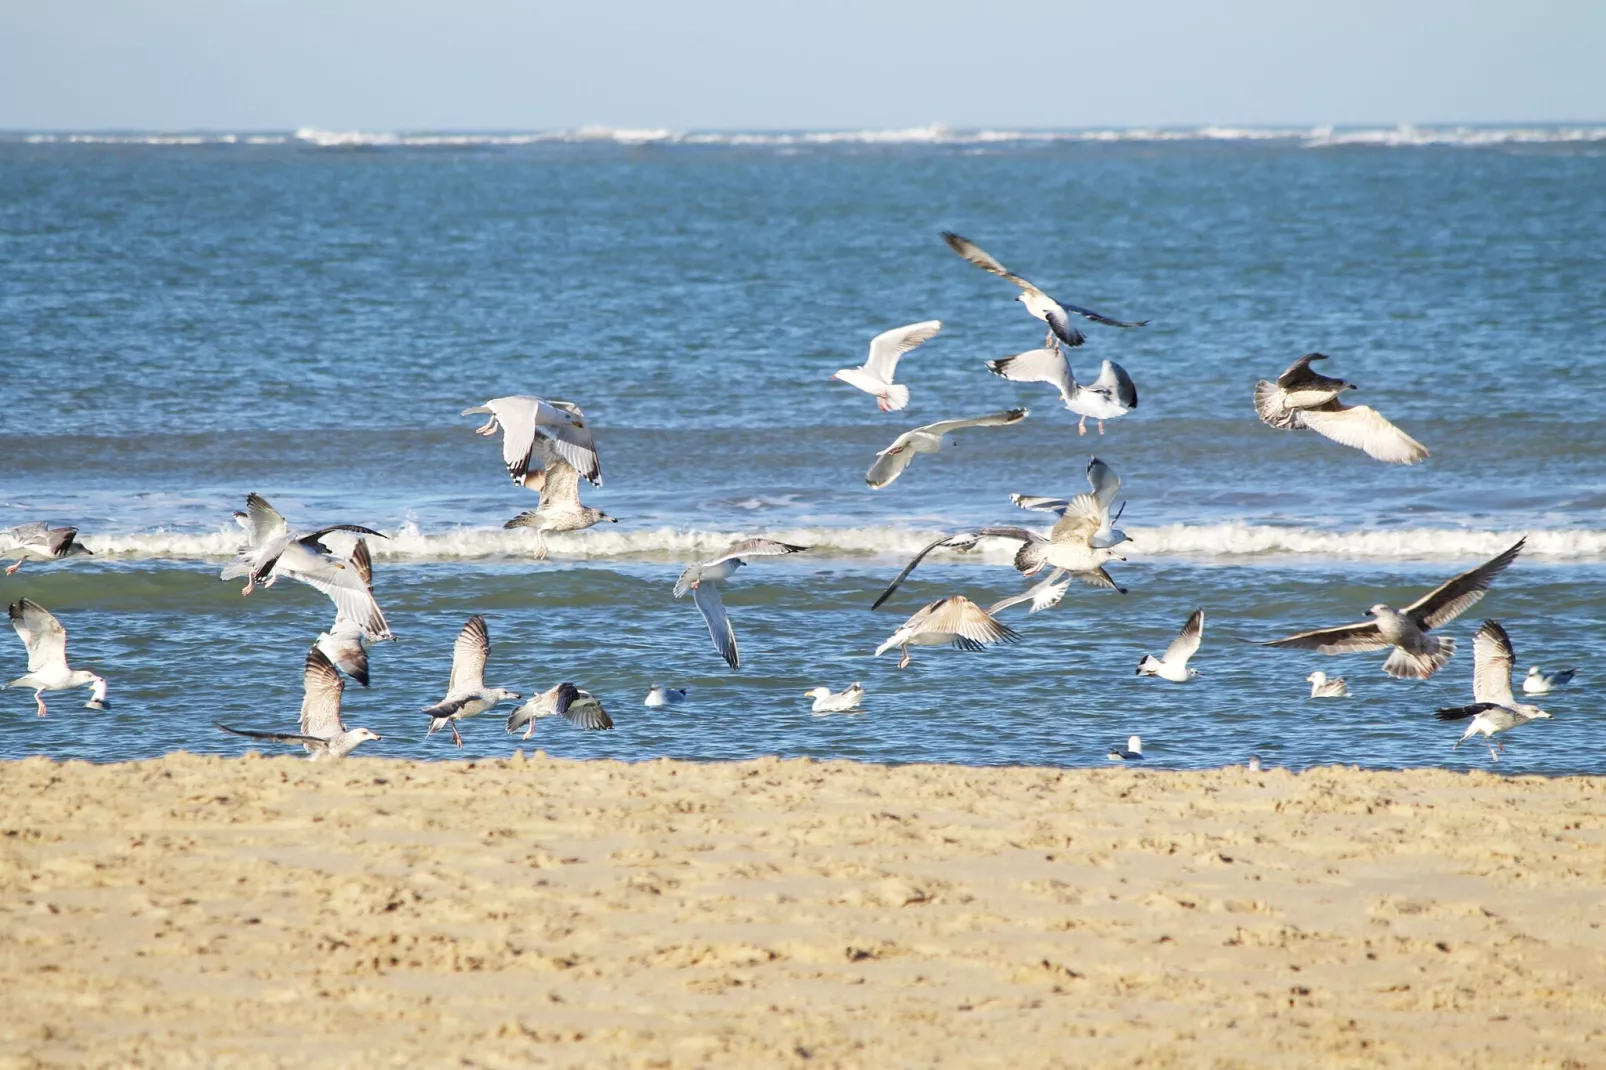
x: 188, y: 318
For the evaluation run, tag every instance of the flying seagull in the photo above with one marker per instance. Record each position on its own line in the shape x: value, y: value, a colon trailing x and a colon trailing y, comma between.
x: 323, y: 733
x: 1416, y: 655
x: 1132, y: 753
x: 1174, y: 665
x: 1303, y: 398
x: 664, y: 695
x: 559, y: 426
x: 874, y: 376
x: 466, y: 693
x: 1038, y: 303
x: 580, y: 708
x: 1106, y: 485
x: 701, y: 580
x: 1494, y: 708
x: 46, y: 641
x: 954, y: 620
x: 39, y: 542
x: 1539, y: 683
x: 1322, y: 687
x: 342, y: 644
x: 891, y: 462
x: 560, y: 508
x: 1112, y: 394
x: 828, y: 701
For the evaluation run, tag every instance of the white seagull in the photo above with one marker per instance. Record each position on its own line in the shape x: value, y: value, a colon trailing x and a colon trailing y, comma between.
x: 1494, y: 708
x: 828, y: 701
x: 701, y: 580
x: 874, y: 376
x: 466, y: 693
x: 46, y: 641
x: 664, y: 695
x: 1302, y: 398
x: 1416, y: 654
x: 580, y: 708
x: 342, y: 644
x: 39, y: 542
x: 1322, y: 687
x: 1133, y: 752
x: 1106, y: 485
x: 525, y: 421
x: 323, y: 734
x: 1539, y: 683
x: 1038, y: 303
x: 954, y: 620
x: 560, y: 508
x: 1112, y: 394
x: 1174, y: 665
x: 891, y: 462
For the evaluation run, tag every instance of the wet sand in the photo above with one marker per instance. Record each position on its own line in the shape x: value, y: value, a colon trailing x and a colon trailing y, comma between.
x: 262, y: 912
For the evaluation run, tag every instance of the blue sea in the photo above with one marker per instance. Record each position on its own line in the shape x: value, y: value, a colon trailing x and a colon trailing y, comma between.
x: 185, y: 319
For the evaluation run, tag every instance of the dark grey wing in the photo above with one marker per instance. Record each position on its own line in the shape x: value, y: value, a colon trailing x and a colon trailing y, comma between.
x: 963, y: 540
x: 1062, y: 326
x: 59, y: 541
x: 581, y: 709
x: 1097, y: 317
x: 447, y: 707
x: 315, y: 537
x: 1344, y: 639
x: 1461, y: 713
x: 1100, y: 578
x: 1455, y: 596
x: 1300, y: 375
x: 1113, y: 378
x: 275, y: 737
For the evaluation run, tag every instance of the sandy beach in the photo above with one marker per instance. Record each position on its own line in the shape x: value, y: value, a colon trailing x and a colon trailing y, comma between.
x: 269, y: 911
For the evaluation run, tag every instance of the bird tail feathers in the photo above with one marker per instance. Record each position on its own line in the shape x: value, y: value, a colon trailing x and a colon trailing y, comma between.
x: 1404, y: 665
x: 1269, y: 404
x: 897, y: 396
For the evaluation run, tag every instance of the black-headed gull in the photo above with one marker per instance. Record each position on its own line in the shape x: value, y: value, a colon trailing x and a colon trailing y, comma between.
x: 46, y: 641
x: 701, y: 580
x: 1303, y: 398
x: 39, y: 542
x: 466, y: 693
x: 323, y: 733
x: 1112, y: 394
x: 1174, y: 665
x: 891, y: 462
x: 526, y: 421
x: 953, y: 621
x: 874, y: 376
x: 579, y: 707
x: 1494, y: 708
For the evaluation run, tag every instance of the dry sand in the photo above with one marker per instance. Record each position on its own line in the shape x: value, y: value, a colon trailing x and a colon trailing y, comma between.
x: 211, y: 912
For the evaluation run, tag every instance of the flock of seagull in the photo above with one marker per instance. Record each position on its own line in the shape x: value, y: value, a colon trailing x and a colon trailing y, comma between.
x: 548, y: 448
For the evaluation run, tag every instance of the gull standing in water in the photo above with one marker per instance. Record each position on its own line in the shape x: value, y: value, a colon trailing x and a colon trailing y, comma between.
x: 466, y: 693
x: 874, y: 376
x: 1038, y: 303
x: 1494, y: 708
x: 1302, y: 398
x: 663, y: 695
x: 1106, y: 485
x: 46, y: 641
x: 1538, y: 683
x: 1322, y: 687
x: 323, y: 733
x: 954, y: 620
x: 342, y: 644
x: 891, y: 462
x: 1133, y: 752
x: 560, y: 508
x: 525, y: 421
x: 1416, y: 654
x: 1174, y: 666
x: 701, y: 580
x: 39, y: 542
x: 828, y: 701
x: 1112, y: 394
x: 580, y: 708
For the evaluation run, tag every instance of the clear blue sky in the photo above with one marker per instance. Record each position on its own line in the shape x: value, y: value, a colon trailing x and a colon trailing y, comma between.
x: 827, y: 64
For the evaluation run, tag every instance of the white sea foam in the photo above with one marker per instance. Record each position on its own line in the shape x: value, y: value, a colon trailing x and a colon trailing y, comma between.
x: 1234, y: 541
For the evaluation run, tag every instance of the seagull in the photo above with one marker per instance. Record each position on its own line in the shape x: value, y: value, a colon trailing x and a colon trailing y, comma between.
x: 663, y: 695
x: 1106, y: 485
x: 579, y: 708
x: 1174, y: 666
x: 39, y: 542
x: 1538, y: 683
x: 466, y: 693
x: 560, y: 508
x: 342, y: 644
x: 1112, y: 394
x: 874, y: 376
x: 525, y: 422
x: 891, y: 462
x: 953, y: 620
x: 828, y: 701
x: 323, y: 733
x: 1416, y: 654
x: 1254, y: 763
x: 1038, y: 303
x: 1322, y: 687
x: 1303, y: 398
x: 1493, y: 709
x: 1133, y: 752
x: 700, y: 580
x: 46, y: 641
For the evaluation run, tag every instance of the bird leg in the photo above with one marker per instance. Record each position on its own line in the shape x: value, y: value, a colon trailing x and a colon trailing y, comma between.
x: 39, y: 697
x: 540, y: 546
x: 881, y: 402
x: 455, y: 733
x: 247, y: 588
x: 11, y: 570
x: 1051, y: 341
x: 903, y: 662
x: 530, y: 731
x: 491, y: 427
x: 1101, y: 427
x: 1493, y: 755
x: 1081, y: 426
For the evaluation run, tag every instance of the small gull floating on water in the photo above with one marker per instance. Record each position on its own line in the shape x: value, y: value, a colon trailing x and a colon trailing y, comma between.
x: 579, y: 707
x: 1494, y: 708
x: 323, y: 733
x: 828, y: 701
x: 46, y: 641
x: 929, y: 438
x: 664, y: 695
x: 1322, y: 687
x: 1539, y: 683
x: 874, y: 376
x: 39, y: 542
x: 1174, y: 665
x: 1132, y: 753
x: 466, y: 693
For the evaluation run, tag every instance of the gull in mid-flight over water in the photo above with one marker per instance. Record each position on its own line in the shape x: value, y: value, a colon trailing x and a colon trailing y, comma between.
x: 1322, y: 687
x: 1303, y: 398
x: 38, y: 542
x: 874, y: 376
x: 46, y: 641
x: 702, y: 580
x: 323, y: 733
x: 828, y: 701
x: 955, y: 621
x: 1112, y: 394
x: 1539, y: 683
x: 1132, y: 753
x: 560, y: 508
x: 342, y: 644
x: 579, y: 707
x: 1038, y: 303
x: 1174, y: 665
x: 466, y: 693
x: 891, y: 462
x: 530, y: 427
x: 1494, y: 708
x: 1416, y: 654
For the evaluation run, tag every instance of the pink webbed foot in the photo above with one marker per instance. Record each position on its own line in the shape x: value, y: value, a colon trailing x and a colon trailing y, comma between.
x: 881, y: 403
x: 903, y: 662
x: 1081, y: 426
x: 455, y: 733
x: 11, y: 570
x: 39, y: 700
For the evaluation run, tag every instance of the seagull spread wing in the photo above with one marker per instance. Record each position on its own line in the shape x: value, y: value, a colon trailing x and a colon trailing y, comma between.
x: 276, y: 737
x: 1037, y: 366
x: 984, y: 260
x: 1105, y: 483
x: 41, y: 633
x: 1363, y: 428
x: 993, y: 419
x: 1492, y: 661
x: 970, y: 625
x: 709, y: 604
x: 561, y: 488
x: 757, y: 548
x: 262, y: 521
x: 888, y: 346
x: 1116, y: 383
x: 890, y: 462
x: 1098, y: 317
x: 320, y: 702
x: 1344, y: 639
x: 1082, y: 519
x: 469, y: 654
x: 964, y: 540
x: 1187, y: 641
x: 582, y: 709
x: 1455, y: 596
x: 353, y: 599
x: 1038, y: 503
